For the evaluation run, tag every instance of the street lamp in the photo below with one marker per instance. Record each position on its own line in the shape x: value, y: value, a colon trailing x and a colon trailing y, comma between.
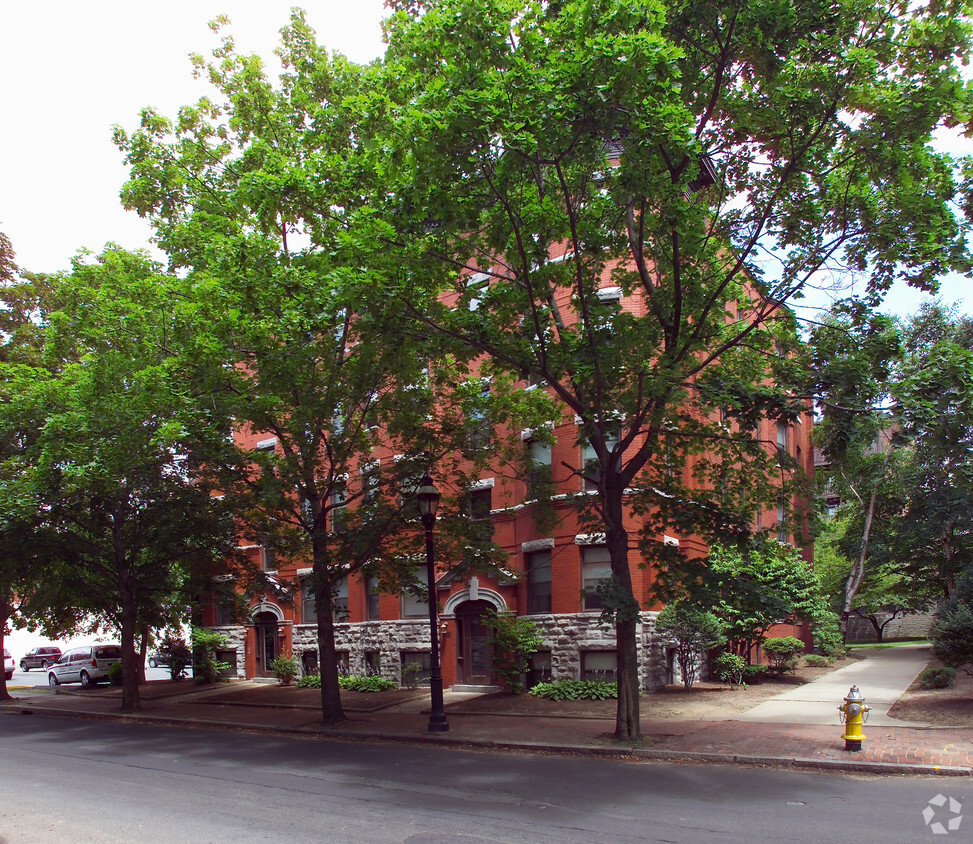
x: 428, y: 498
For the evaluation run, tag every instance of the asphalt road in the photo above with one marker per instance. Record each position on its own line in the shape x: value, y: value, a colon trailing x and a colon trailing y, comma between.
x: 66, y: 780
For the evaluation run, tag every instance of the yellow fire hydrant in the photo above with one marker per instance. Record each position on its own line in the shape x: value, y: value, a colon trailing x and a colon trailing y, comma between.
x: 854, y: 711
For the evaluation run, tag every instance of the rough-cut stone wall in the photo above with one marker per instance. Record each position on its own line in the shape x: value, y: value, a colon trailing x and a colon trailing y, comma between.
x: 915, y: 625
x: 236, y: 636
x: 565, y: 636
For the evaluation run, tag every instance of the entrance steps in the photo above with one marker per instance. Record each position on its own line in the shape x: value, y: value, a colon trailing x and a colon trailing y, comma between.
x: 464, y: 689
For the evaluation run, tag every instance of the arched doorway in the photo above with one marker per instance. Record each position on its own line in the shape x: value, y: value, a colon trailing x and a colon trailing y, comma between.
x: 474, y: 656
x: 265, y: 642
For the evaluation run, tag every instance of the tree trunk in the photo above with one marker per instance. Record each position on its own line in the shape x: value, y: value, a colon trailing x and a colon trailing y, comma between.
x: 5, y: 613
x: 331, y: 709
x: 130, y: 677
x: 627, y: 726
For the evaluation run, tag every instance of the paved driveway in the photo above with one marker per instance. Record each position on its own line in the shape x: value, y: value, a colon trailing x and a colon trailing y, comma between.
x: 882, y: 677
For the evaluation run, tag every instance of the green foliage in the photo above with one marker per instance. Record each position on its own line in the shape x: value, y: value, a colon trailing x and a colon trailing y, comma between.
x: 941, y: 677
x: 207, y: 668
x: 514, y: 640
x: 729, y: 668
x: 818, y: 660
x: 178, y: 655
x: 285, y: 668
x: 693, y: 632
x: 952, y: 637
x: 783, y: 652
x: 115, y: 673
x: 575, y: 690
x: 754, y: 674
x: 310, y: 681
x: 372, y: 683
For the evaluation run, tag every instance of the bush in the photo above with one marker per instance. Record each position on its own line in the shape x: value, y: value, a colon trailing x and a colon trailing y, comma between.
x: 818, y: 660
x: 937, y: 678
x: 729, y: 668
x: 693, y: 631
x: 284, y: 668
x: 783, y: 651
x: 952, y: 637
x: 115, y: 673
x: 205, y: 643
x: 754, y: 674
x: 373, y: 683
x: 576, y: 690
x: 309, y: 681
x: 514, y: 641
x: 177, y: 654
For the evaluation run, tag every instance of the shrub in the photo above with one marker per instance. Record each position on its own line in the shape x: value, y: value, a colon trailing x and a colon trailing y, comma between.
x: 693, y: 631
x: 177, y: 654
x: 284, y: 668
x: 115, y: 673
x: 514, y: 641
x: 374, y: 683
x: 754, y: 674
x: 729, y: 668
x: 937, y: 678
x: 205, y: 643
x: 783, y: 651
x: 576, y: 690
x: 309, y: 681
x: 818, y: 660
x: 952, y: 637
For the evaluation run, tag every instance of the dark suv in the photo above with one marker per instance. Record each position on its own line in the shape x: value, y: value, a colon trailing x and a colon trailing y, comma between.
x: 40, y: 658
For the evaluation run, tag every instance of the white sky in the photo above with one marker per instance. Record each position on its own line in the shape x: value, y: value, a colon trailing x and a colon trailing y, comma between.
x: 71, y: 70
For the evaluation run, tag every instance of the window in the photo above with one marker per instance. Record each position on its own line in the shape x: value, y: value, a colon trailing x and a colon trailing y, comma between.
x: 413, y: 607
x: 782, y: 438
x: 590, y: 464
x: 480, y: 503
x: 309, y: 611
x: 479, y: 431
x: 599, y: 665
x: 371, y: 598
x: 595, y: 567
x: 225, y: 611
x: 540, y: 669
x: 373, y: 664
x: 539, y: 582
x: 782, y: 534
x: 339, y: 601
x: 416, y: 668
x: 268, y: 556
x: 369, y: 483
x: 538, y: 469
x: 336, y: 506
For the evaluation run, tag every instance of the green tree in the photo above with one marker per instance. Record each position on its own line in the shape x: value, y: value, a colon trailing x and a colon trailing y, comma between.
x: 119, y: 464
x: 267, y: 201
x: 693, y: 632
x: 709, y: 158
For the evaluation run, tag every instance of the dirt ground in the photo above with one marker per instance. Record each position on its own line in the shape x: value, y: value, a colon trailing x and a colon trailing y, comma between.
x: 952, y: 707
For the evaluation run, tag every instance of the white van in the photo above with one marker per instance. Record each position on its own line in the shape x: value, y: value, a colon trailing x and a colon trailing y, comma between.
x: 85, y: 665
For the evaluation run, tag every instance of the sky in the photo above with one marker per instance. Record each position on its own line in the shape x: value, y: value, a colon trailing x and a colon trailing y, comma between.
x: 72, y: 70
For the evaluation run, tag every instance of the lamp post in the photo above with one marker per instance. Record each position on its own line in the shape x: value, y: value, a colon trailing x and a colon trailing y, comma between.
x: 428, y: 497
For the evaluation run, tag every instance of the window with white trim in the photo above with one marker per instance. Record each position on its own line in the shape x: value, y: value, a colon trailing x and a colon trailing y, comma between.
x: 595, y: 568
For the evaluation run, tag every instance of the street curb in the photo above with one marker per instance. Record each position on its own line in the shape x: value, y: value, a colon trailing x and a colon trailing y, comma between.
x: 440, y: 740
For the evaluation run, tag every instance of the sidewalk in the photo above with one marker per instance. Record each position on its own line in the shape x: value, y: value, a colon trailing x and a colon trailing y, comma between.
x: 891, y: 747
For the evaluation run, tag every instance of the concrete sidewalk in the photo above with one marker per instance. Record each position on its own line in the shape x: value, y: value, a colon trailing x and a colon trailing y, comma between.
x: 890, y: 748
x: 883, y: 676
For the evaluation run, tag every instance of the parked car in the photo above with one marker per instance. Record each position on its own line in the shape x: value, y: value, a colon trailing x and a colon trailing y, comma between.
x: 161, y: 660
x: 40, y: 658
x: 8, y: 664
x: 85, y: 665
